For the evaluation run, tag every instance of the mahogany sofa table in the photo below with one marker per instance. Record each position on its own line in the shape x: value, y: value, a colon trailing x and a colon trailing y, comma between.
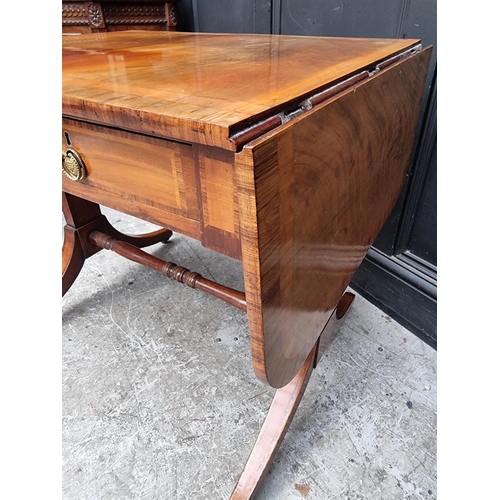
x: 285, y: 152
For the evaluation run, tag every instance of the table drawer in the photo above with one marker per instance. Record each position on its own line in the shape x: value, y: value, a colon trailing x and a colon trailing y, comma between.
x: 147, y: 177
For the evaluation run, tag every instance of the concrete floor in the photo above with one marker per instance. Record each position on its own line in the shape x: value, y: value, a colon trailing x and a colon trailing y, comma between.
x: 160, y: 400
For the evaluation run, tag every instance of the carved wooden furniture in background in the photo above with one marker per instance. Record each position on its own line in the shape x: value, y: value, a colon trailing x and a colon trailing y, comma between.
x: 118, y: 15
x: 285, y: 152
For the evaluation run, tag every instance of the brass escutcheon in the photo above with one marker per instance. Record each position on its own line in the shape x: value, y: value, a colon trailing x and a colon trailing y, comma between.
x: 72, y: 165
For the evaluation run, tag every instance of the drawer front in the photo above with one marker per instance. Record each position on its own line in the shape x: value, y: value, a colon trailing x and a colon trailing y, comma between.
x: 150, y: 178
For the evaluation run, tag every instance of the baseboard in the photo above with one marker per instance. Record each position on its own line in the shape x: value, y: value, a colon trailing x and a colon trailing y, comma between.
x: 407, y: 297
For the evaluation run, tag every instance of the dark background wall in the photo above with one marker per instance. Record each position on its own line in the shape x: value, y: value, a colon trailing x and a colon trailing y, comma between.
x: 399, y: 274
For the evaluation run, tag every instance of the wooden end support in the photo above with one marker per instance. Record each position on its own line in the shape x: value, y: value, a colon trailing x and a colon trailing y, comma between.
x: 279, y: 417
x: 82, y: 218
x: 282, y: 410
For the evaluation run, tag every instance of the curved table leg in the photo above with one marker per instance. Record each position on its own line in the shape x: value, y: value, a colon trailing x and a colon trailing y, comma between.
x: 283, y: 408
x: 76, y: 247
x: 82, y: 217
x: 140, y: 240
x: 279, y: 417
x: 72, y: 258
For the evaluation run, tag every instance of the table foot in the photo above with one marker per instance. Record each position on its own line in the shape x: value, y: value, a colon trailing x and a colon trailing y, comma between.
x: 280, y: 415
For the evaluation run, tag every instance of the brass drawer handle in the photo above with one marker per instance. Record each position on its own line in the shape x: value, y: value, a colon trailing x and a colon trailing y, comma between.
x: 72, y: 165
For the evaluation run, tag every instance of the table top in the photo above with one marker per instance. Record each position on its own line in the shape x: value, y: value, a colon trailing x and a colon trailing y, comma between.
x: 312, y: 191
x: 200, y: 87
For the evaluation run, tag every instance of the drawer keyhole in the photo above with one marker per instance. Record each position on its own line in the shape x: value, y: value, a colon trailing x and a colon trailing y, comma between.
x: 67, y: 138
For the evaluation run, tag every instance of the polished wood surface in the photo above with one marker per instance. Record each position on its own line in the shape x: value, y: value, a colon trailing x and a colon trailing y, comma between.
x: 78, y: 213
x: 218, y: 196
x: 313, y: 196
x: 190, y: 189
x: 154, y: 176
x: 300, y: 204
x: 206, y: 88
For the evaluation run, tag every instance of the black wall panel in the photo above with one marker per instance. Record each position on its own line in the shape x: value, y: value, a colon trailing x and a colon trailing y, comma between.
x: 226, y: 16
x: 356, y: 18
x: 423, y: 237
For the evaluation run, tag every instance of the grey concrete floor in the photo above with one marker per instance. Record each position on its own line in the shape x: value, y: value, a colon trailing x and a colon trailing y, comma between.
x: 160, y: 400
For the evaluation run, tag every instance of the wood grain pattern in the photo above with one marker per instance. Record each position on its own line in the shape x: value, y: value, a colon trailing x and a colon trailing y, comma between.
x: 162, y: 123
x: 204, y: 88
x: 150, y: 176
x: 312, y: 192
x: 313, y: 196
x: 219, y: 200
